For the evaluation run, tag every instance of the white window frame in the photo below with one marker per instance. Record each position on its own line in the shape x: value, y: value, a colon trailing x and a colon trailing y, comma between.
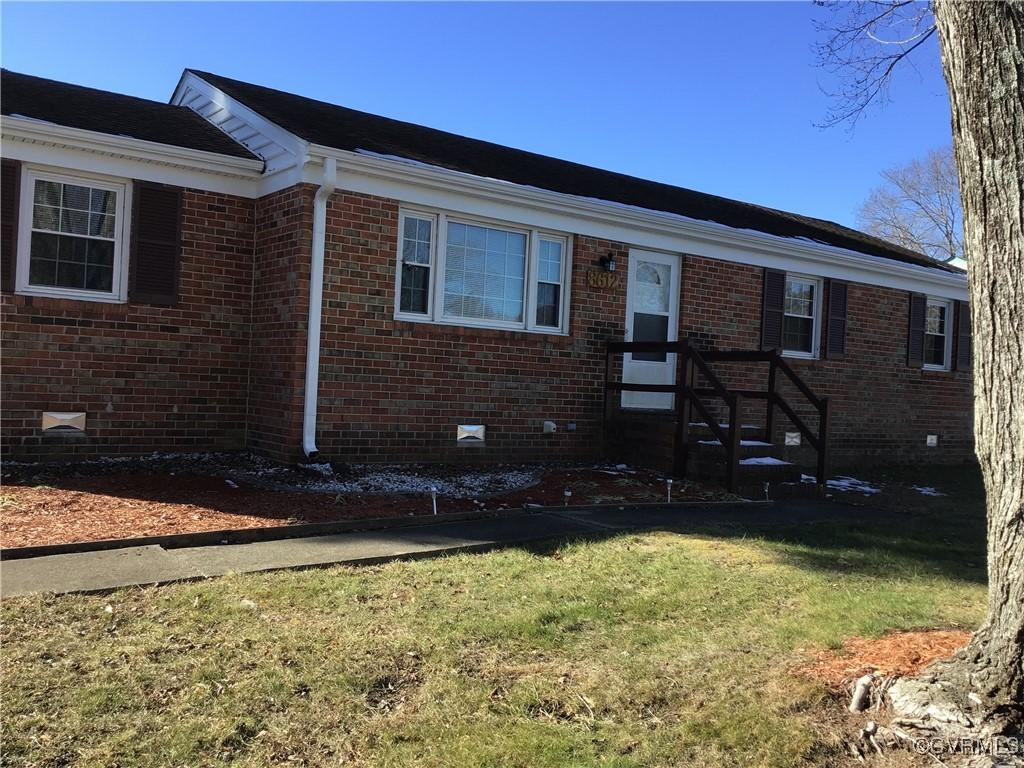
x: 439, y: 249
x: 431, y: 265
x: 118, y: 293
x: 815, y: 319
x: 935, y: 301
x: 533, y: 275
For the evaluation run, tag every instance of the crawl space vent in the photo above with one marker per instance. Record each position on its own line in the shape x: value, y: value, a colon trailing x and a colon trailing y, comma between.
x: 57, y: 421
x: 470, y: 435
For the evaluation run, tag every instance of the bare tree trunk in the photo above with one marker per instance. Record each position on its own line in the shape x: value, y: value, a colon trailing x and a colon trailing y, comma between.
x: 983, y: 59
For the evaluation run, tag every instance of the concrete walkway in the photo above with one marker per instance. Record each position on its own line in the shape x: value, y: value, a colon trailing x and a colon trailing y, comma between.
x: 98, y: 571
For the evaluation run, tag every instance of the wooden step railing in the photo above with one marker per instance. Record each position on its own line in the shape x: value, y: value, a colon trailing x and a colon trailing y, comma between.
x: 688, y: 398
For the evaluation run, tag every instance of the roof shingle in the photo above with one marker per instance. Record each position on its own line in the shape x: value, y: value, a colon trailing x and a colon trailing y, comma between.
x: 75, y: 106
x: 349, y: 129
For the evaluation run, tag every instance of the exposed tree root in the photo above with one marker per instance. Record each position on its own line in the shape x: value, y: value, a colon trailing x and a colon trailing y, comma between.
x: 930, y: 715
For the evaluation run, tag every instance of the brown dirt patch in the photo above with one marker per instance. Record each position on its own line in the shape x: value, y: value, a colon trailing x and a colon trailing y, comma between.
x: 899, y: 654
x: 70, y: 506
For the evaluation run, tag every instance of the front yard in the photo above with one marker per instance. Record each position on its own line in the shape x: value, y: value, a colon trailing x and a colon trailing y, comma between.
x: 662, y: 649
x: 187, y: 493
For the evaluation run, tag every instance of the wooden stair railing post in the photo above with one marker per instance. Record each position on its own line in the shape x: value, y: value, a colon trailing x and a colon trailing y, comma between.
x: 769, y: 417
x: 823, y: 444
x: 684, y: 372
x: 733, y: 449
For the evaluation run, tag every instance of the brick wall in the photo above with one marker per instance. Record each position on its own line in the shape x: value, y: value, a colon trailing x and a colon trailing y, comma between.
x: 880, y: 409
x: 225, y: 367
x: 149, y: 378
x: 393, y: 390
x: 280, y: 311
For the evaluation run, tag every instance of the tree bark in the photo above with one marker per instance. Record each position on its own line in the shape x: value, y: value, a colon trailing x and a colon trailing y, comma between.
x: 982, y: 46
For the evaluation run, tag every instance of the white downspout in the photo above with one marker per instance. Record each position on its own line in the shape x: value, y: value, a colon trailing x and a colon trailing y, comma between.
x: 316, y: 296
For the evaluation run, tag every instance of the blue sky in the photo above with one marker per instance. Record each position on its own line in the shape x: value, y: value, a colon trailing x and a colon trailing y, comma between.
x: 720, y: 97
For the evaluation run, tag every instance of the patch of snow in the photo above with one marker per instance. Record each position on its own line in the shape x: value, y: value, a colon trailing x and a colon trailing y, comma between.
x: 764, y: 461
x: 927, y: 490
x: 845, y: 483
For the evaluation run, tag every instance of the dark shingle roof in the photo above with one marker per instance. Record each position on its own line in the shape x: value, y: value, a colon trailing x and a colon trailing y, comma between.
x: 349, y: 129
x: 75, y: 106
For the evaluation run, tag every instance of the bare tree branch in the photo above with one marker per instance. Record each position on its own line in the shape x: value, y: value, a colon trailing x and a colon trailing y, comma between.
x: 862, y: 47
x: 918, y: 207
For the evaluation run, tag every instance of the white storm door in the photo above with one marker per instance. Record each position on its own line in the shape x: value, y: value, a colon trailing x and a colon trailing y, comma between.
x: 652, y: 314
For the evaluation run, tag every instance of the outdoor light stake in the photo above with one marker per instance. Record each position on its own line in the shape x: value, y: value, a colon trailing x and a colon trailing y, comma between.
x: 668, y: 483
x: 568, y: 495
x: 433, y: 497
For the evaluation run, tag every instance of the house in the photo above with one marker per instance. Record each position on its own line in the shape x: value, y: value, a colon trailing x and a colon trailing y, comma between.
x: 247, y: 268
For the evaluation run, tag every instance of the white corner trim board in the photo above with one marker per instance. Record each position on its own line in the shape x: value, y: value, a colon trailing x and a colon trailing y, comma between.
x: 316, y: 296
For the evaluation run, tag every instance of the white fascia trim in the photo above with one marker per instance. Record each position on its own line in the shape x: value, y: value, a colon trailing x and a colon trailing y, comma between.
x: 418, y: 183
x: 35, y: 131
x: 80, y: 161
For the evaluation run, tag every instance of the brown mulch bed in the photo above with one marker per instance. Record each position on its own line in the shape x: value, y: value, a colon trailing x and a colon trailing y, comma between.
x: 898, y: 654
x: 109, y: 501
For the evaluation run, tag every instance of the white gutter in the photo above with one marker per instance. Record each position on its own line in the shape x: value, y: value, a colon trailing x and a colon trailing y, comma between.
x: 40, y: 132
x: 316, y: 297
x: 617, y: 221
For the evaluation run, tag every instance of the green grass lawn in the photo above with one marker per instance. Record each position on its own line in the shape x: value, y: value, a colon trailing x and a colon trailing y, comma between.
x: 661, y: 649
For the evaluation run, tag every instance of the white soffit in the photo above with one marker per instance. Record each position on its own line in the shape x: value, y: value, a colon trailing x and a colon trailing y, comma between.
x: 279, y: 148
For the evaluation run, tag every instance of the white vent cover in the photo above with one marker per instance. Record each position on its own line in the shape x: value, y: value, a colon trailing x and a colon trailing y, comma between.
x: 56, y: 420
x: 792, y: 438
x: 470, y: 434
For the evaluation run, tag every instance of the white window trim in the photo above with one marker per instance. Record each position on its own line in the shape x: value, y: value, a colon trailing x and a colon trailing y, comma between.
x: 948, y: 347
x: 815, y: 352
x: 535, y: 239
x: 438, y: 251
x: 431, y: 265
x: 122, y: 232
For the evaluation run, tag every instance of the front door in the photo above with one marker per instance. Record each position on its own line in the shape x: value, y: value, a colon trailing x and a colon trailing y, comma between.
x: 652, y: 314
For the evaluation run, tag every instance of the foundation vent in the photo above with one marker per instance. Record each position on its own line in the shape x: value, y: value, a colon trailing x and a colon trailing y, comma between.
x: 54, y: 420
x: 469, y: 435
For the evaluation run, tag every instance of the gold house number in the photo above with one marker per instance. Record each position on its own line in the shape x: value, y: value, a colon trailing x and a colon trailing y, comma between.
x: 604, y: 280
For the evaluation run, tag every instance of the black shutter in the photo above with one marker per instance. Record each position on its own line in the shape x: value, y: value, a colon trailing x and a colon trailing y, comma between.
x: 835, y: 335
x: 10, y: 183
x: 963, y: 336
x: 915, y: 337
x: 156, y: 243
x: 771, y: 316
